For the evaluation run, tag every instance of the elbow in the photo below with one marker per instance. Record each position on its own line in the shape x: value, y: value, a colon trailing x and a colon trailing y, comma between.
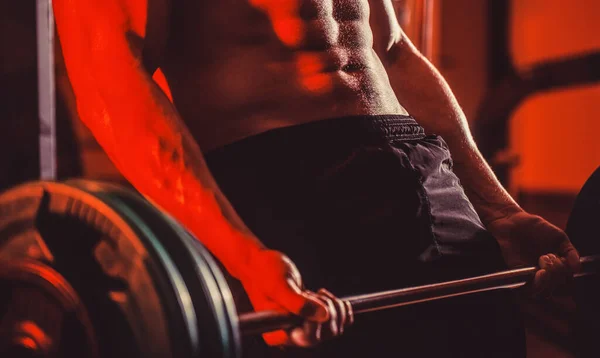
x: 396, y: 37
x: 400, y: 50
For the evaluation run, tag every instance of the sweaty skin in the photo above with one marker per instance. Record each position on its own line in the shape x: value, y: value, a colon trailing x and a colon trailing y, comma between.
x: 236, y: 68
x: 272, y: 64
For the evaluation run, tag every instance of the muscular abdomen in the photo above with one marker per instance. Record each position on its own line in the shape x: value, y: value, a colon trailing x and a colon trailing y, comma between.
x: 260, y: 64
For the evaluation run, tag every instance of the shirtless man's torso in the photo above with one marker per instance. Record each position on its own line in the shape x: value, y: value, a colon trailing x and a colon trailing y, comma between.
x: 263, y: 64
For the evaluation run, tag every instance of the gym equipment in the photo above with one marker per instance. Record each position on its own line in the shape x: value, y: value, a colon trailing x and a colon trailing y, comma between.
x: 95, y: 270
x: 91, y: 269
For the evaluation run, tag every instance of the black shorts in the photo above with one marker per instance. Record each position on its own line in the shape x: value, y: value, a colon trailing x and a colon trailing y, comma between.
x: 370, y: 203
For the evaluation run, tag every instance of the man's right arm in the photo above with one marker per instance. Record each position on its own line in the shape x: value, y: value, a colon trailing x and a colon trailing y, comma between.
x: 138, y: 126
x: 141, y: 132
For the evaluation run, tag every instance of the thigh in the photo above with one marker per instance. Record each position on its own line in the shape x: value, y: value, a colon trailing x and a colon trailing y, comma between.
x: 456, y: 227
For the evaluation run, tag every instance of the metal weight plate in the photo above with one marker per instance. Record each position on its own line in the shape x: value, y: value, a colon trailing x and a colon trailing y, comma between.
x: 583, y: 225
x: 134, y: 297
x: 42, y: 314
x: 216, y: 327
x: 583, y: 228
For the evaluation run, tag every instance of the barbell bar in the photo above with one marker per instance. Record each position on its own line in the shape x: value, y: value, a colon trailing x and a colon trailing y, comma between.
x: 267, y: 321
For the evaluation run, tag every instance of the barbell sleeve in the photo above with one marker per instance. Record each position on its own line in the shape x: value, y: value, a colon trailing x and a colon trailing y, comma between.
x: 267, y: 321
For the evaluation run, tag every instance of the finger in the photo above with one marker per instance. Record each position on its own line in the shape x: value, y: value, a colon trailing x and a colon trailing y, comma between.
x: 308, y: 335
x: 311, y: 332
x: 540, y: 283
x: 568, y: 251
x: 557, y: 265
x: 554, y: 273
x: 350, y: 312
x: 558, y: 272
x: 544, y: 262
x: 296, y: 301
x: 287, y: 291
x: 340, y: 307
x: 332, y: 328
x: 542, y: 277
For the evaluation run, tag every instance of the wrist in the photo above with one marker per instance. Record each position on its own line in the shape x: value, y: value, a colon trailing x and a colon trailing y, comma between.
x: 494, y: 214
x: 239, y: 265
x: 233, y: 248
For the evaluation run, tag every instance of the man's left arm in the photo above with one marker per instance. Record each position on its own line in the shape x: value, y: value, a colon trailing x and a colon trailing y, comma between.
x: 425, y: 94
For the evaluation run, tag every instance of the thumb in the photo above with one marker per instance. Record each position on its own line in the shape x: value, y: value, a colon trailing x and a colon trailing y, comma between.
x: 314, y: 310
x: 293, y: 299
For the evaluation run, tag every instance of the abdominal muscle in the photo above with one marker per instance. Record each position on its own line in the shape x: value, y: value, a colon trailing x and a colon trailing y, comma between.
x: 256, y: 72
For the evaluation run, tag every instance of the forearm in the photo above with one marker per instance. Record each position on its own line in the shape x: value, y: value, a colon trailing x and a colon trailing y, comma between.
x: 143, y: 135
x: 425, y: 94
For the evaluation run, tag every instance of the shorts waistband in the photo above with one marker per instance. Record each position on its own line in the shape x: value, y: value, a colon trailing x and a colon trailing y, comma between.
x: 361, y: 129
x: 390, y: 127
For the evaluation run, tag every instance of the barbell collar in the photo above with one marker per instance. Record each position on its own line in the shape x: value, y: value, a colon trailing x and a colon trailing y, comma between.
x: 267, y: 321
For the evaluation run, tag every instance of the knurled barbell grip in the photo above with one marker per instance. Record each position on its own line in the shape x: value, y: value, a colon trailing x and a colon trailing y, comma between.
x: 266, y: 321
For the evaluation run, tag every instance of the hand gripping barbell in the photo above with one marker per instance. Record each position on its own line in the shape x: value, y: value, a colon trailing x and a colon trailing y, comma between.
x: 266, y: 321
x: 93, y: 270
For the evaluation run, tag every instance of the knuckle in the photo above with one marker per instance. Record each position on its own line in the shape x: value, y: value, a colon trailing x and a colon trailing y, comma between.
x: 546, y: 261
x: 323, y: 291
x: 349, y: 312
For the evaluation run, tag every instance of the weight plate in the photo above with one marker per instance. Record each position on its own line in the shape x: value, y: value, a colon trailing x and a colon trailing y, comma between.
x: 42, y: 315
x: 136, y: 300
x: 584, y: 232
x: 216, y: 317
x: 582, y: 226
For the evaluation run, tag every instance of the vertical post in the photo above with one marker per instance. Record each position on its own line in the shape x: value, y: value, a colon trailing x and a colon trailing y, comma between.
x: 427, y: 30
x: 46, y: 89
